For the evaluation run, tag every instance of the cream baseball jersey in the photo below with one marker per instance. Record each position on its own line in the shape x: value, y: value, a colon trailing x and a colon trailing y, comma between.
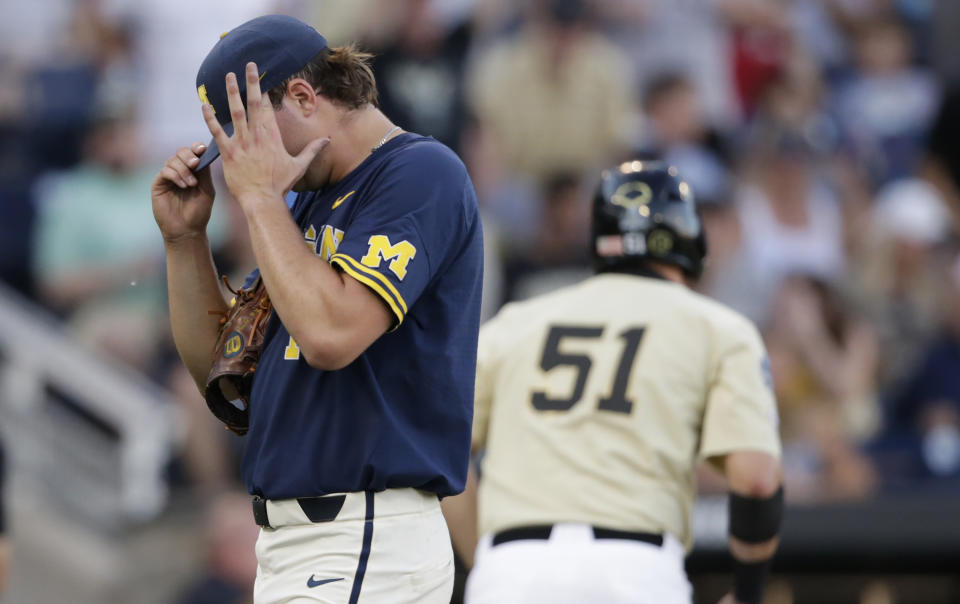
x: 595, y: 403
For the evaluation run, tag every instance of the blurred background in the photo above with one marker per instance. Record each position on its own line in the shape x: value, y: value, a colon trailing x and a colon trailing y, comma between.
x: 821, y: 138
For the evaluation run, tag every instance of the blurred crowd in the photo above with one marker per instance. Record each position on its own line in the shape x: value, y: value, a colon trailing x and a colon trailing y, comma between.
x: 821, y: 138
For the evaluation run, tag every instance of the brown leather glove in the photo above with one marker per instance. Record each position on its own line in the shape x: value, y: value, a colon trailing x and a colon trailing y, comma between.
x: 235, y: 356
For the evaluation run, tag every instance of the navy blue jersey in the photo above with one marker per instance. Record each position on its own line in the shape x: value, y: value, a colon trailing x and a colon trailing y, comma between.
x: 405, y: 224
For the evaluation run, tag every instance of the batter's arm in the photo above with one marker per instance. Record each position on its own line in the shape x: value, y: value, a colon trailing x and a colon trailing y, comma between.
x: 753, y: 475
x: 460, y: 512
x: 740, y: 437
x: 756, y: 506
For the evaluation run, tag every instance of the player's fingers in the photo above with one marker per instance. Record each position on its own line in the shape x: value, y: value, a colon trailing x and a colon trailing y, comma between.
x: 181, y: 168
x: 268, y: 119
x: 171, y: 175
x: 254, y: 106
x: 198, y: 148
x: 204, y: 180
x: 188, y: 157
x: 311, y: 150
x: 237, y: 113
x: 223, y: 141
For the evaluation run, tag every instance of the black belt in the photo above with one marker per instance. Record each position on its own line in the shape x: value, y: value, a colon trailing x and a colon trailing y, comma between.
x: 317, y: 509
x: 543, y: 532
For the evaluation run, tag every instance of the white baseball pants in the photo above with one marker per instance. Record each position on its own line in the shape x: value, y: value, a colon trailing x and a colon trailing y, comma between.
x: 573, y: 567
x: 391, y: 546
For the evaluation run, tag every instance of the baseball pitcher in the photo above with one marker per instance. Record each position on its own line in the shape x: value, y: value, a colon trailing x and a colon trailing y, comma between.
x: 347, y: 359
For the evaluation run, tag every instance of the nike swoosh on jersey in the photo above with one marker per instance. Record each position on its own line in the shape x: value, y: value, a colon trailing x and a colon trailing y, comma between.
x: 341, y: 200
x: 311, y: 582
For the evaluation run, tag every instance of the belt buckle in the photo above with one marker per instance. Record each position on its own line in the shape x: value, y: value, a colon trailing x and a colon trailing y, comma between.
x: 260, y: 511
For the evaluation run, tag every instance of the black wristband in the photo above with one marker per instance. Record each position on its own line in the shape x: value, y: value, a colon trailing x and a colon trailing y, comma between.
x: 755, y: 519
x: 748, y: 580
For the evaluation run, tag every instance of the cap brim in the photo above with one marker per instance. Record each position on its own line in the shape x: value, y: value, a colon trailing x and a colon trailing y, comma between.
x: 213, y: 151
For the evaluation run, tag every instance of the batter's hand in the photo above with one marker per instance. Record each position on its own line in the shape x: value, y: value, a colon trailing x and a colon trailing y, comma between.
x: 256, y: 165
x: 182, y: 200
x: 729, y: 599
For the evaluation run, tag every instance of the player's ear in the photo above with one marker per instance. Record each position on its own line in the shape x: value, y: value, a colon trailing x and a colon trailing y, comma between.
x: 304, y: 97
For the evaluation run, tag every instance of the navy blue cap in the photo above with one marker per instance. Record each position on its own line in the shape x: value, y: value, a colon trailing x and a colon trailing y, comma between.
x: 279, y: 45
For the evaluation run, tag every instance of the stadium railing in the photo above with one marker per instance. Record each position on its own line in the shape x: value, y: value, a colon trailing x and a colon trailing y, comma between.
x: 88, y: 435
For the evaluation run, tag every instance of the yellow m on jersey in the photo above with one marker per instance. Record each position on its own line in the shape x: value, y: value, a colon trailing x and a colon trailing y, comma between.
x: 399, y: 254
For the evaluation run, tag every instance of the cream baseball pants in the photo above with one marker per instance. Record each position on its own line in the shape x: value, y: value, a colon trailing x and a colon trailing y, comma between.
x: 390, y: 546
x: 573, y: 566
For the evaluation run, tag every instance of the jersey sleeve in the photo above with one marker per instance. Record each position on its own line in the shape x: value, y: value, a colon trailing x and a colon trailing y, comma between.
x: 741, y: 411
x: 409, y: 227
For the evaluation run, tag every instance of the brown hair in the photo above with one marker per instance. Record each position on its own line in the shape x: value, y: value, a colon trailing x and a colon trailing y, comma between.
x: 340, y: 74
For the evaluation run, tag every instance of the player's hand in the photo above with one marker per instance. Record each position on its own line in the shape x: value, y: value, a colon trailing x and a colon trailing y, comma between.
x: 729, y: 599
x: 182, y: 200
x: 256, y: 165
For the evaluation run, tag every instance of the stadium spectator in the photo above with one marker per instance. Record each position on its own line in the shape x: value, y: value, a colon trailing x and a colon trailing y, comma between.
x: 420, y: 72
x: 96, y: 257
x: 48, y: 81
x: 557, y: 96
x: 345, y: 22
x: 713, y: 185
x: 887, y: 106
x: 946, y: 52
x: 510, y: 201
x: 231, y: 565
x: 814, y: 28
x: 924, y: 413
x: 897, y: 273
x: 674, y: 121
x: 791, y: 218
x: 168, y: 96
x: 209, y: 457
x: 673, y: 114
x: 689, y: 37
x: 558, y: 256
x: 18, y: 169
x: 824, y: 362
x: 761, y: 48
x: 795, y: 98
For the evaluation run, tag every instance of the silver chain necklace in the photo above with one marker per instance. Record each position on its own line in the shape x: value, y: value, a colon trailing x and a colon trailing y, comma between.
x: 385, y: 137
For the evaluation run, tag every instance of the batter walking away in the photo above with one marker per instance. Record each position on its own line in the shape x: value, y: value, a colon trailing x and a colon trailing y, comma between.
x: 594, y: 404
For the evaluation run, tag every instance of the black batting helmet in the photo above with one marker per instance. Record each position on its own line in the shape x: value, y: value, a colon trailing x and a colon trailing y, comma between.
x: 644, y: 210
